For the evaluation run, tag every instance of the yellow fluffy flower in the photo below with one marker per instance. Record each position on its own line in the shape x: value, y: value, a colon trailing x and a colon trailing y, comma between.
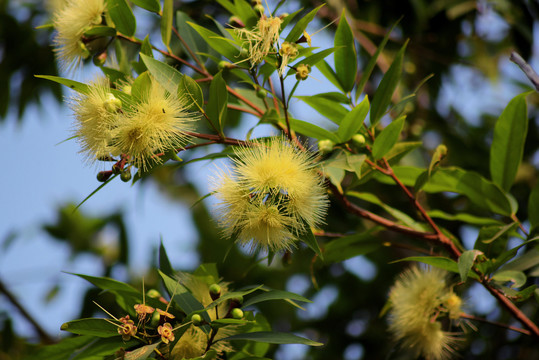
x: 158, y: 123
x: 97, y: 116
x: 194, y: 341
x: 71, y: 21
x: 418, y: 299
x: 273, y: 193
x: 261, y: 40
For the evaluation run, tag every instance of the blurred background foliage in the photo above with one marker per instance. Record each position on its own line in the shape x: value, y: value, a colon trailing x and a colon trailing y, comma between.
x: 448, y: 38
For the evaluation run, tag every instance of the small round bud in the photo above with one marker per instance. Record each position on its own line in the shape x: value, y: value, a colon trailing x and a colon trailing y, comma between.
x: 325, y: 146
x: 154, y: 294
x: 215, y: 291
x: 237, y: 313
x: 155, y: 319
x: 256, y: 2
x: 359, y: 140
x: 302, y: 71
x: 103, y: 176
x: 125, y: 175
x: 225, y: 65
x: 196, y: 319
x: 112, y: 103
x: 99, y: 60
x: 261, y: 93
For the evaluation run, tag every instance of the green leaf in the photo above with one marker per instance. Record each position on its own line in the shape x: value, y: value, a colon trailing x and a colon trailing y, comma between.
x: 62, y: 350
x: 439, y: 262
x: 219, y: 323
x: 164, y: 263
x: 190, y: 89
x: 122, y: 16
x: 463, y: 217
x: 313, y: 59
x: 272, y: 338
x: 350, y: 246
x: 141, y: 86
x: 150, y: 5
x: 307, y: 236
x: 220, y: 44
x: 372, y: 63
x: 217, y: 104
x: 166, y: 75
x: 518, y: 278
x: 384, y: 92
x: 75, y: 85
x: 353, y: 121
x: 326, y: 106
x: 94, y: 327
x: 345, y: 54
x: 231, y: 295
x: 385, y: 141
x: 141, y: 353
x: 100, y: 31
x: 533, y: 208
x: 301, y: 25
x: 246, y: 13
x: 191, y: 38
x: 274, y: 295
x: 313, y: 131
x: 166, y: 22
x: 503, y: 231
x: 508, y: 142
x: 466, y: 261
x: 102, y: 347
x: 106, y: 283
x: 146, y: 47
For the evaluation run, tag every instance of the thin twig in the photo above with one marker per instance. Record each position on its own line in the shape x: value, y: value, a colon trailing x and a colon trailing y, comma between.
x: 526, y: 68
x: 495, y: 323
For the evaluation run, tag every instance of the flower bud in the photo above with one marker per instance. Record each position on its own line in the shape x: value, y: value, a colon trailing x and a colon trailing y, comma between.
x: 358, y: 140
x: 154, y: 294
x: 112, y: 103
x: 103, y: 176
x: 215, y: 291
x: 126, y: 175
x: 196, y: 319
x: 99, y: 60
x: 224, y: 65
x: 261, y: 93
x: 237, y: 313
x: 259, y: 8
x: 325, y: 146
x: 302, y: 71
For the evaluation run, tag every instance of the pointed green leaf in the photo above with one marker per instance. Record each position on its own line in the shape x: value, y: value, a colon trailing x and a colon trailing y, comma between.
x: 141, y: 353
x: 308, y: 238
x: 166, y: 21
x: 466, y: 261
x: 345, y: 54
x: 312, y: 130
x: 329, y: 74
x: 192, y: 92
x: 150, y: 5
x: 463, y: 217
x: 220, y: 44
x: 100, y: 31
x: 533, y: 208
x: 385, y: 141
x: 246, y: 13
x: 191, y: 38
x: 72, y: 84
x: 313, y: 59
x: 272, y: 338
x: 274, y: 295
x: 94, y: 327
x: 326, y: 106
x: 301, y: 25
x: 122, y: 16
x: 166, y: 75
x: 508, y: 142
x: 164, y: 263
x: 353, y: 121
x: 350, y: 246
x: 64, y: 349
x: 218, y: 101
x: 384, y: 92
x: 518, y: 278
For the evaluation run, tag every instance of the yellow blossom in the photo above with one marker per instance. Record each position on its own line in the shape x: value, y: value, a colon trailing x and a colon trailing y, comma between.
x: 302, y: 71
x: 273, y: 193
x: 158, y: 123
x: 418, y: 299
x: 96, y: 114
x: 128, y: 328
x: 71, y: 21
x: 166, y: 333
x: 288, y: 52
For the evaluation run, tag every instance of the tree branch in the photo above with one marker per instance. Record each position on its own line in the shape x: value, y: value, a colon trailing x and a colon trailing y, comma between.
x: 526, y: 68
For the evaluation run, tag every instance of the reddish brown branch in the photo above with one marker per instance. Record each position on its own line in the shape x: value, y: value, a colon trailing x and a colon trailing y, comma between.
x: 495, y: 323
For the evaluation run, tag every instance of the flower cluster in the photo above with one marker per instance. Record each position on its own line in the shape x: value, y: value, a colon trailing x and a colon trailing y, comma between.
x: 262, y: 39
x: 156, y: 123
x: 273, y: 194
x: 419, y: 299
x: 71, y: 21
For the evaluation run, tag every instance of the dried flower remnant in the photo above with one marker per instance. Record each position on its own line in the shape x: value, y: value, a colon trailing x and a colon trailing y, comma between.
x: 271, y: 196
x: 157, y: 124
x: 302, y: 71
x: 419, y: 298
x: 262, y: 38
x: 288, y: 51
x: 71, y: 21
x: 128, y: 329
x: 96, y: 114
x: 166, y: 333
x: 142, y: 311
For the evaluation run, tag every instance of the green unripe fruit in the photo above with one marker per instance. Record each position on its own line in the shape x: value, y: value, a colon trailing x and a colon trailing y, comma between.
x: 261, y: 93
x: 154, y: 294
x: 237, y: 313
x: 325, y: 146
x: 215, y: 291
x: 359, y: 140
x: 126, y: 176
x: 196, y: 319
x: 223, y: 65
